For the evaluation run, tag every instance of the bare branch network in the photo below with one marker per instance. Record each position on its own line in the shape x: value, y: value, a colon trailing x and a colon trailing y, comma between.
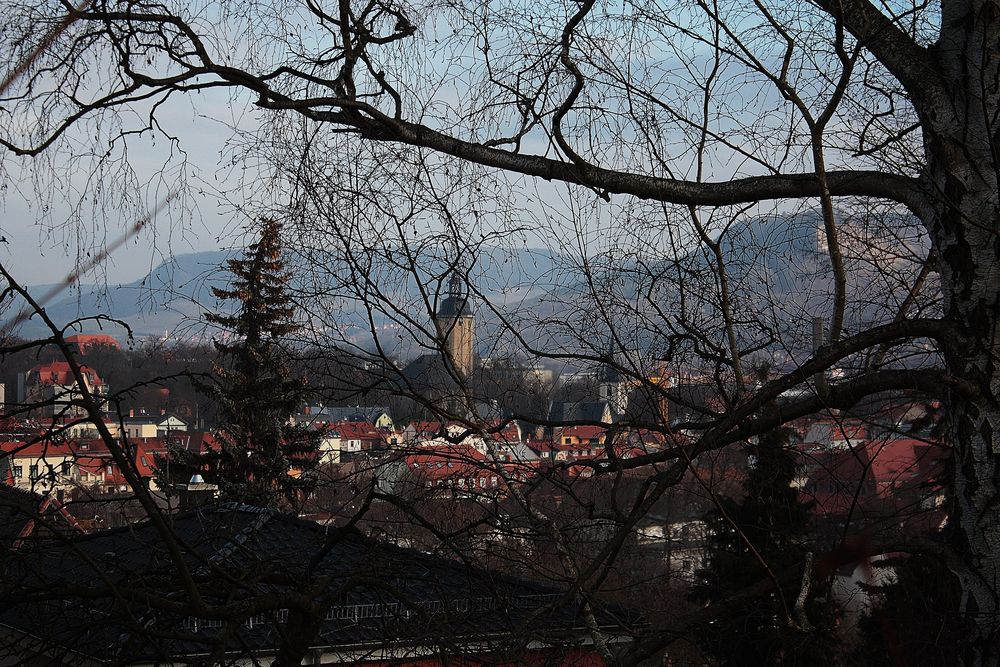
x: 566, y: 333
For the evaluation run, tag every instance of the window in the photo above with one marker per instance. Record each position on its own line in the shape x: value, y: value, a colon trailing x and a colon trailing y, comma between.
x: 111, y: 469
x: 67, y: 468
x: 33, y: 472
x: 143, y: 459
x: 567, y: 441
x: 18, y: 471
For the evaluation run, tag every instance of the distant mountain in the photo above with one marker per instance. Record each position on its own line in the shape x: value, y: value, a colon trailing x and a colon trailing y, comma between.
x: 174, y: 293
x: 777, y: 268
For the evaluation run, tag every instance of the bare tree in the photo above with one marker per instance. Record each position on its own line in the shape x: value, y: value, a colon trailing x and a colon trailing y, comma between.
x: 407, y: 137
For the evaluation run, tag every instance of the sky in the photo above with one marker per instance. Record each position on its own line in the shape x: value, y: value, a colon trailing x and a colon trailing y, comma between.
x: 40, y: 249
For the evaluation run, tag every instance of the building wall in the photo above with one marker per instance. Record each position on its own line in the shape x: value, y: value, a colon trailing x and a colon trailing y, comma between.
x: 460, y: 334
x: 43, y: 473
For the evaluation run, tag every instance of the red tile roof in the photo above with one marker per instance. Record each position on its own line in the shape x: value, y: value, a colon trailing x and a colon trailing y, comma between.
x: 83, y: 341
x: 356, y: 431
x: 59, y: 372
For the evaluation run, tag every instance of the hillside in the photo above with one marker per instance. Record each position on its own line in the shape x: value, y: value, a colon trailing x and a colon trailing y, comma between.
x: 777, y: 268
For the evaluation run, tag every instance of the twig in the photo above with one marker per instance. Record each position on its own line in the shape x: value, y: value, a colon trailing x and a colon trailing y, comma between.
x: 75, y: 275
x: 50, y: 37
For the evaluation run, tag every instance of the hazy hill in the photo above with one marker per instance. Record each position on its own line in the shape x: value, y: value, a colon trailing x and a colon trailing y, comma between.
x: 174, y: 293
x: 776, y: 265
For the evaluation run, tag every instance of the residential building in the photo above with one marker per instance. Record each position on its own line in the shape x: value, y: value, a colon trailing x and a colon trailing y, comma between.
x: 54, y: 388
x: 375, y: 415
x: 152, y: 426
x: 85, y: 342
x: 383, y: 604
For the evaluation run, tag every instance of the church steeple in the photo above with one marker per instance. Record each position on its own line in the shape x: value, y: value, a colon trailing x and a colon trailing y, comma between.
x: 457, y: 303
x: 612, y: 385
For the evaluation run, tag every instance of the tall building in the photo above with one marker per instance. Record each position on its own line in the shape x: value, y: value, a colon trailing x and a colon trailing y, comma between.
x: 457, y: 326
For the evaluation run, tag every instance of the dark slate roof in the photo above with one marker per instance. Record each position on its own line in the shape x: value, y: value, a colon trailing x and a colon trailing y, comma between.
x: 590, y: 412
x: 458, y: 303
x: 17, y: 509
x: 347, y: 414
x: 28, y: 519
x: 150, y: 419
x: 124, y: 586
x: 690, y: 402
x: 428, y: 373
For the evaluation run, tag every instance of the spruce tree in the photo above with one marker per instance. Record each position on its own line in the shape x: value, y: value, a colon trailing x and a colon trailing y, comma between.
x: 770, y: 524
x: 262, y: 459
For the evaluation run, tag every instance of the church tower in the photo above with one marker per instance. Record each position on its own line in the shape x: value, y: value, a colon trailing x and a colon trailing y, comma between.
x: 612, y: 387
x: 457, y: 325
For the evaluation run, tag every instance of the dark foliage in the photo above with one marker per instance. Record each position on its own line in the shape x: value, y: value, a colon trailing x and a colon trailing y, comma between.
x: 769, y: 525
x: 915, y: 620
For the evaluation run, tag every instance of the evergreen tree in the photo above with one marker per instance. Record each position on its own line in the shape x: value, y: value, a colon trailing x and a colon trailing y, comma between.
x: 915, y: 620
x: 769, y: 524
x: 262, y: 459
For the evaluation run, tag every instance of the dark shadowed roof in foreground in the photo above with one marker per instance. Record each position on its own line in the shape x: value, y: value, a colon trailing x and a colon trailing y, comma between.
x: 116, y: 596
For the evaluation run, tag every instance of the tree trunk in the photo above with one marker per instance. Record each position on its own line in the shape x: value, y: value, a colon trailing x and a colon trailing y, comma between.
x: 972, y: 284
x: 962, y: 145
x: 298, y: 634
x: 966, y: 236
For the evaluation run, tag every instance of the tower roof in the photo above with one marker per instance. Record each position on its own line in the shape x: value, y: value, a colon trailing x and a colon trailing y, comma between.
x: 457, y: 303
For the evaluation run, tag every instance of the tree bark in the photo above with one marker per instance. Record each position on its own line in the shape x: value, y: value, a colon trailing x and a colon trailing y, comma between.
x: 962, y: 144
x: 965, y: 229
x: 970, y: 270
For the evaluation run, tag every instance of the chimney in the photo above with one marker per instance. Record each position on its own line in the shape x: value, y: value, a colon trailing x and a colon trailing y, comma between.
x: 196, y: 493
x: 131, y: 412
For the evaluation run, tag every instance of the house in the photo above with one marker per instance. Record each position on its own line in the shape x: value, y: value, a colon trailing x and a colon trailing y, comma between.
x: 329, y: 447
x: 41, y: 465
x: 356, y: 437
x: 892, y: 475
x: 152, y: 426
x: 53, y: 386
x: 44, y: 465
x: 836, y: 433
x: 368, y: 603
x: 377, y: 416
x: 416, y: 431
x: 579, y: 435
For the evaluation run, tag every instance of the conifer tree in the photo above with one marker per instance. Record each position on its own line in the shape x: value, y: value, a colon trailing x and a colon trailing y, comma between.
x: 770, y: 524
x: 262, y: 459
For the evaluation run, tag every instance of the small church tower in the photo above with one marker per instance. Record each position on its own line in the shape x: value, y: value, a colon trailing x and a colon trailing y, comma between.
x: 612, y: 387
x: 457, y: 325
